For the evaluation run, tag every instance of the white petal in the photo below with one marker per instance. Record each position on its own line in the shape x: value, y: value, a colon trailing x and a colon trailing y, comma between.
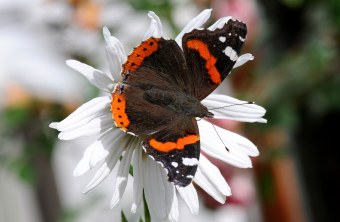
x: 137, y: 179
x: 226, y: 107
x: 158, y: 191
x: 84, y: 112
x: 189, y: 195
x: 117, y: 149
x: 219, y: 23
x: 54, y: 125
x: 212, y: 145
x: 100, y: 175
x: 209, y: 178
x: 122, y: 175
x: 95, y: 76
x: 96, y: 152
x: 174, y: 212
x: 94, y: 127
x: 155, y: 28
x: 203, y: 182
x: 214, y: 175
x: 243, y: 59
x: 194, y: 23
x: 115, y: 54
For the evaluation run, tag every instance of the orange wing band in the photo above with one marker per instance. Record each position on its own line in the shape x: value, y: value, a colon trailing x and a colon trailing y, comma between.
x: 118, y: 106
x: 210, y: 60
x: 179, y: 144
x: 145, y: 49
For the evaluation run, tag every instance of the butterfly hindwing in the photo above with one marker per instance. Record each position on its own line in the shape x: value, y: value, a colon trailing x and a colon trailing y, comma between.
x: 177, y: 149
x: 210, y: 55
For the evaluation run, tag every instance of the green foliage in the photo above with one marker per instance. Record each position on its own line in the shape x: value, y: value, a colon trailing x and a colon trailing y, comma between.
x: 123, y: 217
x: 146, y: 210
x: 305, y: 74
x: 28, y: 125
x: 162, y: 8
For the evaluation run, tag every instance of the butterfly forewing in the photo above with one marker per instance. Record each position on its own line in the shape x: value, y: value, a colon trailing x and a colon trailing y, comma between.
x: 210, y: 55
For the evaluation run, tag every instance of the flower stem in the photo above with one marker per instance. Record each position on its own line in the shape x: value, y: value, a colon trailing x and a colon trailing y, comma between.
x: 146, y: 210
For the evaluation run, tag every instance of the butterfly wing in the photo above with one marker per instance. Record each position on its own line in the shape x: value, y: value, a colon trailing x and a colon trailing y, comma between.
x: 155, y: 61
x: 177, y: 148
x: 156, y: 64
x: 210, y: 55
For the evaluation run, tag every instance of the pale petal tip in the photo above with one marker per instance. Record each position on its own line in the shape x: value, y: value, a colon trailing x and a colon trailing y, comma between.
x: 86, y: 190
x: 54, y: 125
x: 208, y: 10
x: 243, y: 59
x: 194, y: 23
x: 61, y: 136
x: 89, y: 187
x: 262, y: 120
x: 64, y: 136
x: 205, y: 14
x: 219, y: 23
x: 155, y: 28
x: 106, y: 34
x: 151, y: 14
x: 71, y: 62
x: 106, y: 31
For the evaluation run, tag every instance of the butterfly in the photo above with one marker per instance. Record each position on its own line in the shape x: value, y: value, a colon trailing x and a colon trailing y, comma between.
x: 159, y: 97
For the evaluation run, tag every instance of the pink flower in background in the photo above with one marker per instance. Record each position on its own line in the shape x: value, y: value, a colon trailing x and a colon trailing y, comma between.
x: 245, y: 10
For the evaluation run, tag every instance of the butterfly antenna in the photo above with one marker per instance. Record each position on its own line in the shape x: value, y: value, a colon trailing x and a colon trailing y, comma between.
x: 219, y: 136
x: 239, y: 104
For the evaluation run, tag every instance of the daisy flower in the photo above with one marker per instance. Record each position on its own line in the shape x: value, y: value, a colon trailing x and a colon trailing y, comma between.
x: 115, y: 147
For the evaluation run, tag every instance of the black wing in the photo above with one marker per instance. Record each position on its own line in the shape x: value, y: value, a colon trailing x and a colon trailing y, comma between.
x: 210, y: 55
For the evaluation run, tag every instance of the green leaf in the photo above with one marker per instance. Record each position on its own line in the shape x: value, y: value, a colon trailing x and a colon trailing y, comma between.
x: 131, y: 170
x: 146, y: 210
x: 123, y: 217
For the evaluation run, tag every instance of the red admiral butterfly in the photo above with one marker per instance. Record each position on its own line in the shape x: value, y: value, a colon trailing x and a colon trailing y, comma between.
x: 159, y: 97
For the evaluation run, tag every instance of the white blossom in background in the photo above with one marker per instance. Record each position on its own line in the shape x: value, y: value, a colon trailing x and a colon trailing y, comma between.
x: 95, y: 119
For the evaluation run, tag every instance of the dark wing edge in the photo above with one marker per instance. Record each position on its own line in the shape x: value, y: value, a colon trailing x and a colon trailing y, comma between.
x: 177, y: 150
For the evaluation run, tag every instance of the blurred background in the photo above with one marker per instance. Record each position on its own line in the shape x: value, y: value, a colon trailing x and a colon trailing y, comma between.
x: 295, y: 76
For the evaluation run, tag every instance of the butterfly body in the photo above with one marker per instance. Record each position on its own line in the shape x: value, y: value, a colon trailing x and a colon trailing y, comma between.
x: 182, y: 104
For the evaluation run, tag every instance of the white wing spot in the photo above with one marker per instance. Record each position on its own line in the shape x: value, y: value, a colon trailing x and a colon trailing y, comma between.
x: 231, y: 53
x: 241, y: 39
x: 190, y: 161
x: 222, y: 38
x: 190, y: 176
x: 175, y: 164
x: 229, y: 33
